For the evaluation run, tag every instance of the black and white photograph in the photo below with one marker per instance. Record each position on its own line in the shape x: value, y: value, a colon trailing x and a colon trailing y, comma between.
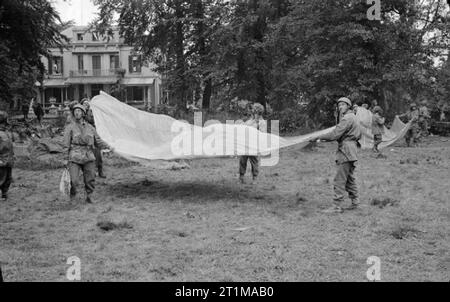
x: 226, y: 141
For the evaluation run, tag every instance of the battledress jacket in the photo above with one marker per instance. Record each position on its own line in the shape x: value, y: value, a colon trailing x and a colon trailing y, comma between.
x: 347, y: 133
x: 81, y: 138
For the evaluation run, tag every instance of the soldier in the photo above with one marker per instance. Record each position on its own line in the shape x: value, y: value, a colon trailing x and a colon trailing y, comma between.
x: 377, y: 127
x: 97, y: 151
x: 6, y: 155
x: 258, y: 122
x: 81, y: 138
x: 424, y: 116
x: 347, y: 133
x: 413, y: 133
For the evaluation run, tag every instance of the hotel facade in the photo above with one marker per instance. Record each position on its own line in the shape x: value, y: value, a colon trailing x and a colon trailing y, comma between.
x: 91, y: 63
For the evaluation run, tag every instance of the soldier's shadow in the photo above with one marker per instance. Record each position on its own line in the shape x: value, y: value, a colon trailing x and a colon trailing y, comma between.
x: 189, y: 192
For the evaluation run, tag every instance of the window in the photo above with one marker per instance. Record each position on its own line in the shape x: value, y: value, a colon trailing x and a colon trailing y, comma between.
x: 80, y: 37
x: 55, y: 65
x: 96, y: 65
x: 80, y: 63
x: 135, y: 63
x: 114, y: 62
x: 95, y: 89
x: 95, y: 36
x: 135, y: 94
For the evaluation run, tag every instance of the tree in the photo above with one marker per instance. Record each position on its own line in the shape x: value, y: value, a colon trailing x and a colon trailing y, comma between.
x: 175, y: 34
x: 27, y: 29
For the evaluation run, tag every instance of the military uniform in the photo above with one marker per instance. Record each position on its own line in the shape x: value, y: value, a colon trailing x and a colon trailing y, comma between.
x: 81, y: 139
x: 347, y: 133
x: 424, y: 116
x: 259, y: 124
x: 6, y: 159
x: 377, y: 128
x: 413, y: 132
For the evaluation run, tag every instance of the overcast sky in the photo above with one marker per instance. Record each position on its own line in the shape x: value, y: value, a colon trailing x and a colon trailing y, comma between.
x: 82, y: 11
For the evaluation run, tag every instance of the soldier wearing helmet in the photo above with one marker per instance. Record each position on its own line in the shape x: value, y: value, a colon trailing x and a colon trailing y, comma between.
x: 413, y: 117
x: 81, y: 139
x: 424, y: 117
x: 257, y: 122
x: 6, y: 155
x: 377, y: 127
x: 347, y: 133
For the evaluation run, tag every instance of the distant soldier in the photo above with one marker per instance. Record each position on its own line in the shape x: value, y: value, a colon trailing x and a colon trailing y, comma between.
x: 257, y: 122
x: 413, y: 133
x: 377, y: 127
x: 6, y: 155
x: 347, y: 133
x: 374, y: 105
x: 424, y: 117
x: 97, y: 151
x: 38, y: 111
x: 25, y: 109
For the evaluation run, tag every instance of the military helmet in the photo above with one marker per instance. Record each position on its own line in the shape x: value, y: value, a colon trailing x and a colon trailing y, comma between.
x: 79, y: 106
x: 345, y: 100
x: 3, y: 116
x: 377, y: 109
x: 258, y: 108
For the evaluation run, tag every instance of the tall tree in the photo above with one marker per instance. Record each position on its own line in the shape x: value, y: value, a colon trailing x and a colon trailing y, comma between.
x: 27, y: 29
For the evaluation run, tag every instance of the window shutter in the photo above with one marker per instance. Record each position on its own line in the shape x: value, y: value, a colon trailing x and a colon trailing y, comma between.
x: 130, y: 64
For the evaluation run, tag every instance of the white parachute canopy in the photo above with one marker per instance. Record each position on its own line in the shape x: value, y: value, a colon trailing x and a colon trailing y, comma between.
x: 141, y: 136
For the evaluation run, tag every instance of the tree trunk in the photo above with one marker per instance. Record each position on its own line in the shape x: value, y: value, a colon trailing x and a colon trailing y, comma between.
x: 181, y: 89
x: 207, y: 94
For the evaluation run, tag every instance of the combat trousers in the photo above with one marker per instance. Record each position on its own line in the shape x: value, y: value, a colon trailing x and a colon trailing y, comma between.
x: 88, y: 170
x: 5, y: 179
x: 377, y: 139
x: 345, y: 181
x: 254, y: 161
x: 413, y: 133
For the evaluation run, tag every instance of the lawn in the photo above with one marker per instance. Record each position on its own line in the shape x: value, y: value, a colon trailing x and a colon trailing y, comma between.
x: 200, y: 224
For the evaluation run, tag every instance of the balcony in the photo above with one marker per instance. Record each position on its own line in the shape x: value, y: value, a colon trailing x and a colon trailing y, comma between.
x: 95, y: 73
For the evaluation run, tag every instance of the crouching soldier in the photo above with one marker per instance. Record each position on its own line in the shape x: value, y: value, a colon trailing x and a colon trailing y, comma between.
x: 347, y: 133
x: 413, y: 133
x: 6, y: 155
x: 81, y: 138
x: 97, y: 151
x: 377, y: 127
x: 257, y: 122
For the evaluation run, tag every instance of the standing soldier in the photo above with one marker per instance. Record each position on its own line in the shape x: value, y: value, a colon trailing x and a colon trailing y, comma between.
x: 97, y: 151
x: 347, y: 133
x: 413, y: 117
x: 424, y: 116
x: 257, y: 122
x: 6, y: 155
x: 81, y: 138
x: 377, y: 127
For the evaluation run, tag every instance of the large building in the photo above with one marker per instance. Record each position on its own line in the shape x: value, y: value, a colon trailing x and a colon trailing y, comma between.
x: 90, y: 63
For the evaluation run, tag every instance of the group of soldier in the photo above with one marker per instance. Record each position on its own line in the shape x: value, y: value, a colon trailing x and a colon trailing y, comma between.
x: 84, y: 156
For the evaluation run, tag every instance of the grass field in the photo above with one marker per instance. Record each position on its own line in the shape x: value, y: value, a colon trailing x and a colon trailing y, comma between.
x: 200, y: 224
